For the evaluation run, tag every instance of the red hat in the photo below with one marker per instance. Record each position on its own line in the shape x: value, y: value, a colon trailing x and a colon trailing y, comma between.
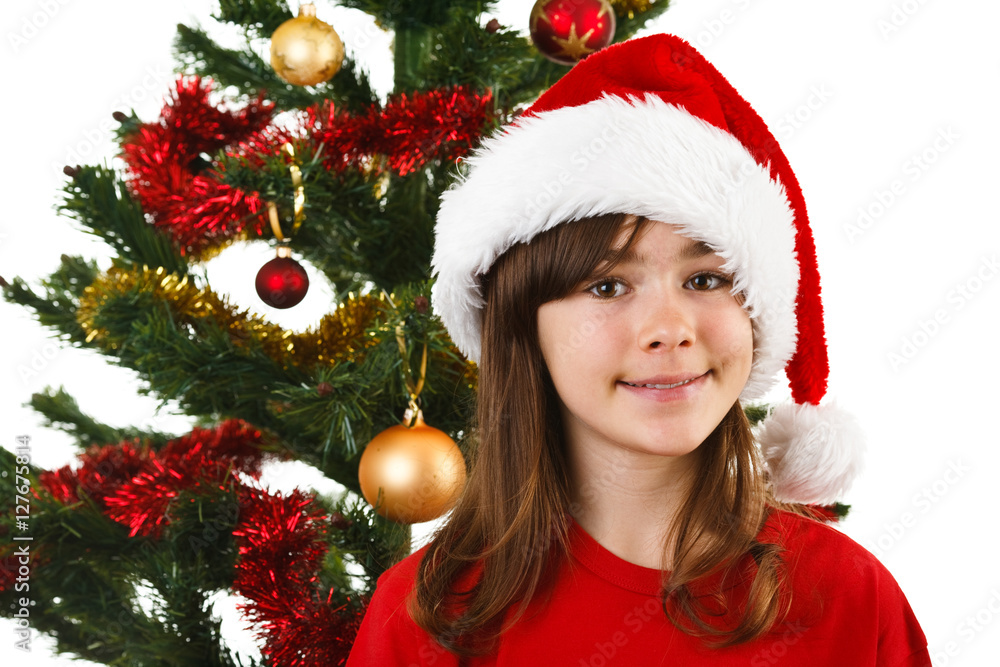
x: 649, y: 127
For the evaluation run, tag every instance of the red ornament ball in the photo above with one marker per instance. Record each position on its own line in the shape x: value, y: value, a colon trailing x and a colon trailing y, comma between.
x: 340, y: 522
x: 565, y: 31
x: 282, y: 282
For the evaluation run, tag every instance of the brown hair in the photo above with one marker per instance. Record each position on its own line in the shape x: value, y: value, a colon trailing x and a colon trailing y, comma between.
x: 508, y: 531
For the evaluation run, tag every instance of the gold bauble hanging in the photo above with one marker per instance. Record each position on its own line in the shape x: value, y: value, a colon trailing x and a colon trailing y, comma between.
x: 306, y: 51
x: 412, y: 474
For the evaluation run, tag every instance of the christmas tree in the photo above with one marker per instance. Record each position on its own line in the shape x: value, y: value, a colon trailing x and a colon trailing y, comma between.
x: 305, y: 156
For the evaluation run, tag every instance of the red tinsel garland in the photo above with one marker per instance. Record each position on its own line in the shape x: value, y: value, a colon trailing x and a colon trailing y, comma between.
x: 281, y: 539
x: 408, y: 133
x: 201, y: 127
x: 201, y: 457
x: 135, y: 485
x: 171, y: 181
x: 281, y: 550
x: 101, y: 471
x: 198, y: 209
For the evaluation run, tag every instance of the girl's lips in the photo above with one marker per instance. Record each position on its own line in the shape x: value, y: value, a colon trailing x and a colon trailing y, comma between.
x: 666, y: 390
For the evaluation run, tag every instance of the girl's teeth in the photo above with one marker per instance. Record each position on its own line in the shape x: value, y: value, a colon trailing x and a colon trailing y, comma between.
x: 659, y: 386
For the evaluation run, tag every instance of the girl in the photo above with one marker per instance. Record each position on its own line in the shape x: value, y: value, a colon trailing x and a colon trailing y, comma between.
x: 630, y: 264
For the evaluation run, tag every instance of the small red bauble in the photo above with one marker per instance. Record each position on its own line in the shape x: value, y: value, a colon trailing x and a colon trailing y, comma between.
x: 565, y: 31
x: 282, y: 282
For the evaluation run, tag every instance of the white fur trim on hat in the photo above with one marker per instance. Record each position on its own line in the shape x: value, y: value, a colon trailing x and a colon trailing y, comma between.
x: 813, y: 453
x: 613, y: 155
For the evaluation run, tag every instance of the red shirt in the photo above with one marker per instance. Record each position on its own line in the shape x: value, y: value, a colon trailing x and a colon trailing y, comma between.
x: 847, y: 611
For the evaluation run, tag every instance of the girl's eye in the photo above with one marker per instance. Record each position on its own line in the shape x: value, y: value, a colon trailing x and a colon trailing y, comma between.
x: 607, y: 289
x: 704, y: 282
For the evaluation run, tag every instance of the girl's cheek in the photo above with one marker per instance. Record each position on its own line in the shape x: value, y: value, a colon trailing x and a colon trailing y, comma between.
x: 590, y: 326
x: 738, y: 335
x: 725, y: 321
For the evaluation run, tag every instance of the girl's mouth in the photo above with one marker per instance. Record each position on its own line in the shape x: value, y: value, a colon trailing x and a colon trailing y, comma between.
x: 661, y: 386
x: 666, y: 389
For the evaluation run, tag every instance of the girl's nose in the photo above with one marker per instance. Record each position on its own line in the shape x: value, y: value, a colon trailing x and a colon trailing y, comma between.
x: 667, y: 324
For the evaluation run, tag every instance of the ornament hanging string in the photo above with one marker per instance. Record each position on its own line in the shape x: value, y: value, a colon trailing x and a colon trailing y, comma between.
x: 413, y: 389
x: 411, y: 472
x: 298, y: 200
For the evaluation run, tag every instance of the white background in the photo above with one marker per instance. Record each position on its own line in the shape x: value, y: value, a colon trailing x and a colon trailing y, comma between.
x: 855, y: 91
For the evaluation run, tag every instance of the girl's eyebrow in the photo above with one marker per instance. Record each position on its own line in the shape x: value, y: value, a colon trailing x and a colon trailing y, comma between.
x: 696, y: 249
x: 691, y: 250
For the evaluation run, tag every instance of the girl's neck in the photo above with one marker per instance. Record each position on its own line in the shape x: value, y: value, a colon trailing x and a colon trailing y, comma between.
x: 626, y: 500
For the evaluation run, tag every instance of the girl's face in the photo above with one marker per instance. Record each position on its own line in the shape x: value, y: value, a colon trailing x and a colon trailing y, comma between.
x: 650, y: 354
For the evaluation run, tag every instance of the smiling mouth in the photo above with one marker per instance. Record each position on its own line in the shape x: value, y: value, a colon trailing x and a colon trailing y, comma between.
x: 661, y: 386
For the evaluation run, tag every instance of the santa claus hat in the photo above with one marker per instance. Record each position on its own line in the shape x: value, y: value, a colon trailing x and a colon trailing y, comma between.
x: 649, y: 127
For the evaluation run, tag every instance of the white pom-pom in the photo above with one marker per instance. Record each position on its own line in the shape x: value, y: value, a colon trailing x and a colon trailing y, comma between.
x: 813, y: 452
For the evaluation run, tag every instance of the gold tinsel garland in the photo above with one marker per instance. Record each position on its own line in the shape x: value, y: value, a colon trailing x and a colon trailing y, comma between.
x: 339, y: 337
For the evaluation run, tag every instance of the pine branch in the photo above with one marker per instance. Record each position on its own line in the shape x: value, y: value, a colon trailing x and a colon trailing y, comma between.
x: 333, y: 421
x: 202, y: 367
x: 62, y: 412
x: 102, y: 204
x: 396, y: 15
x: 756, y: 413
x: 398, y: 240
x: 262, y: 17
x: 626, y: 27
x: 57, y: 307
x: 248, y: 72
x: 207, y: 374
x: 364, y: 538
x: 466, y: 54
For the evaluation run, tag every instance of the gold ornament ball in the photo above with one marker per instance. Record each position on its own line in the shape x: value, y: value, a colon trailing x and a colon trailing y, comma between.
x: 412, y: 474
x: 306, y: 51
